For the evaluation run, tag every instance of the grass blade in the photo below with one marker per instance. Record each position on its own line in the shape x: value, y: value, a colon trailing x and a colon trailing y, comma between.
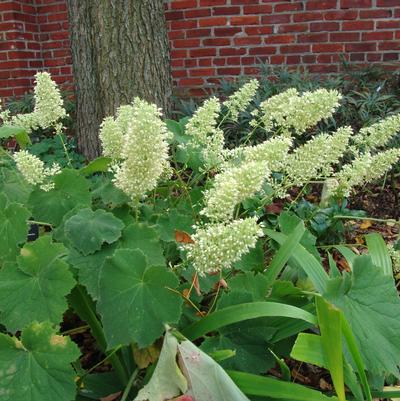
x: 308, y: 262
x: 378, y: 251
x: 267, y: 387
x: 238, y: 313
x: 284, y: 253
x: 329, y: 320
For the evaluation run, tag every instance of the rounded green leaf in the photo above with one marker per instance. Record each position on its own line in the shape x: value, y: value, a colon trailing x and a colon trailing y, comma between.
x: 37, y: 368
x: 88, y: 230
x: 13, y: 230
x: 70, y: 190
x: 145, y: 238
x: 35, y: 289
x: 136, y: 300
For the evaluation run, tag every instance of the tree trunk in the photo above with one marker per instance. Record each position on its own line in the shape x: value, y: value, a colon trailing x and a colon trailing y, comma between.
x: 119, y: 50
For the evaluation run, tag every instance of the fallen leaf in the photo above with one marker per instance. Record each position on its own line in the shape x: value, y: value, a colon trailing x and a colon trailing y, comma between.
x: 145, y: 356
x: 183, y: 237
x: 111, y: 397
x: 366, y: 224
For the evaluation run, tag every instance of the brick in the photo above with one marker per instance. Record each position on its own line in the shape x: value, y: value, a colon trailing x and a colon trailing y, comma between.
x: 245, y: 41
x: 257, y: 51
x: 344, y: 36
x: 205, y: 62
x: 374, y: 57
x: 248, y: 60
x: 383, y: 13
x: 320, y: 4
x: 275, y: 19
x: 312, y: 37
x: 277, y: 59
x: 389, y: 45
x: 228, y: 31
x: 327, y: 48
x: 203, y: 52
x: 357, y: 25
x: 303, y: 17
x: 357, y: 57
x: 257, y: 9
x: 209, y: 3
x: 379, y: 35
x: 387, y: 3
x: 258, y: 30
x: 245, y: 20
x: 213, y: 21
x: 308, y: 59
x: 201, y: 72
x: 217, y: 42
x: 226, y: 10
x: 284, y: 7
x: 293, y: 60
x: 219, y: 61
x: 244, y: 1
x: 280, y: 39
x: 293, y: 28
x: 360, y: 47
x: 191, y: 82
x: 176, y: 35
x: 184, y: 24
x: 182, y: 4
x: 295, y: 49
x: 198, y: 33
x: 355, y: 3
x: 232, y: 51
x: 173, y: 15
x: 390, y: 56
x: 229, y: 71
x: 198, y: 13
x: 389, y: 24
x: 233, y: 61
x: 323, y: 68
x: 186, y: 43
x: 191, y: 62
x: 340, y: 15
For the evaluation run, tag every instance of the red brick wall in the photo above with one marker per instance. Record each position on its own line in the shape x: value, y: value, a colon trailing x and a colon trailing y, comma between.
x: 213, y: 39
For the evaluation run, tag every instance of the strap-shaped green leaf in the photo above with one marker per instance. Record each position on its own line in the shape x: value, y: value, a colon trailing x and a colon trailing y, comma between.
x: 238, y: 313
x: 377, y: 249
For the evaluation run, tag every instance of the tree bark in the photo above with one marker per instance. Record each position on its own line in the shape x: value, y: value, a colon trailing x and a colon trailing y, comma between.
x: 119, y: 50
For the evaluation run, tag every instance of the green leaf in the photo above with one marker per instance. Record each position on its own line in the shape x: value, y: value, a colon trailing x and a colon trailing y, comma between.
x: 71, y: 189
x: 329, y: 321
x: 104, y: 189
x: 89, y: 267
x: 13, y: 230
x: 268, y: 387
x: 101, y: 164
x: 371, y: 305
x: 308, y: 348
x: 136, y: 298
x: 37, y: 368
x: 168, y: 223
x: 306, y: 260
x: 377, y: 249
x: 35, y: 290
x: 13, y: 186
x: 19, y: 133
x: 88, y: 230
x: 167, y: 380
x: 237, y: 313
x: 252, y: 260
x: 347, y: 253
x: 285, y: 252
x: 143, y: 237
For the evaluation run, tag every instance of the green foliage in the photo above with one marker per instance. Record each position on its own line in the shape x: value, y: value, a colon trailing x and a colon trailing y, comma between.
x: 125, y: 265
x: 37, y: 366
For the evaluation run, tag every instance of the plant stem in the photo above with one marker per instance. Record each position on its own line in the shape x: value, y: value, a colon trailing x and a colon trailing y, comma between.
x: 129, y: 385
x: 366, y: 218
x: 83, y: 306
x: 39, y: 223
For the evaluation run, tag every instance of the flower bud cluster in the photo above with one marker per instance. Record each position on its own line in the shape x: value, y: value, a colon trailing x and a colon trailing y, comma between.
x: 241, y: 99
x: 218, y: 246
x: 33, y: 170
x: 291, y: 111
x: 137, y: 141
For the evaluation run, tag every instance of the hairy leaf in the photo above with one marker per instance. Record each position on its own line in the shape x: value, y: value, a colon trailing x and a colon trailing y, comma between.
x: 37, y: 368
x: 88, y: 230
x: 35, y: 288
x: 136, y: 298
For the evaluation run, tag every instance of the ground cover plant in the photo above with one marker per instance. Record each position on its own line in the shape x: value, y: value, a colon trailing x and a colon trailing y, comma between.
x: 167, y: 251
